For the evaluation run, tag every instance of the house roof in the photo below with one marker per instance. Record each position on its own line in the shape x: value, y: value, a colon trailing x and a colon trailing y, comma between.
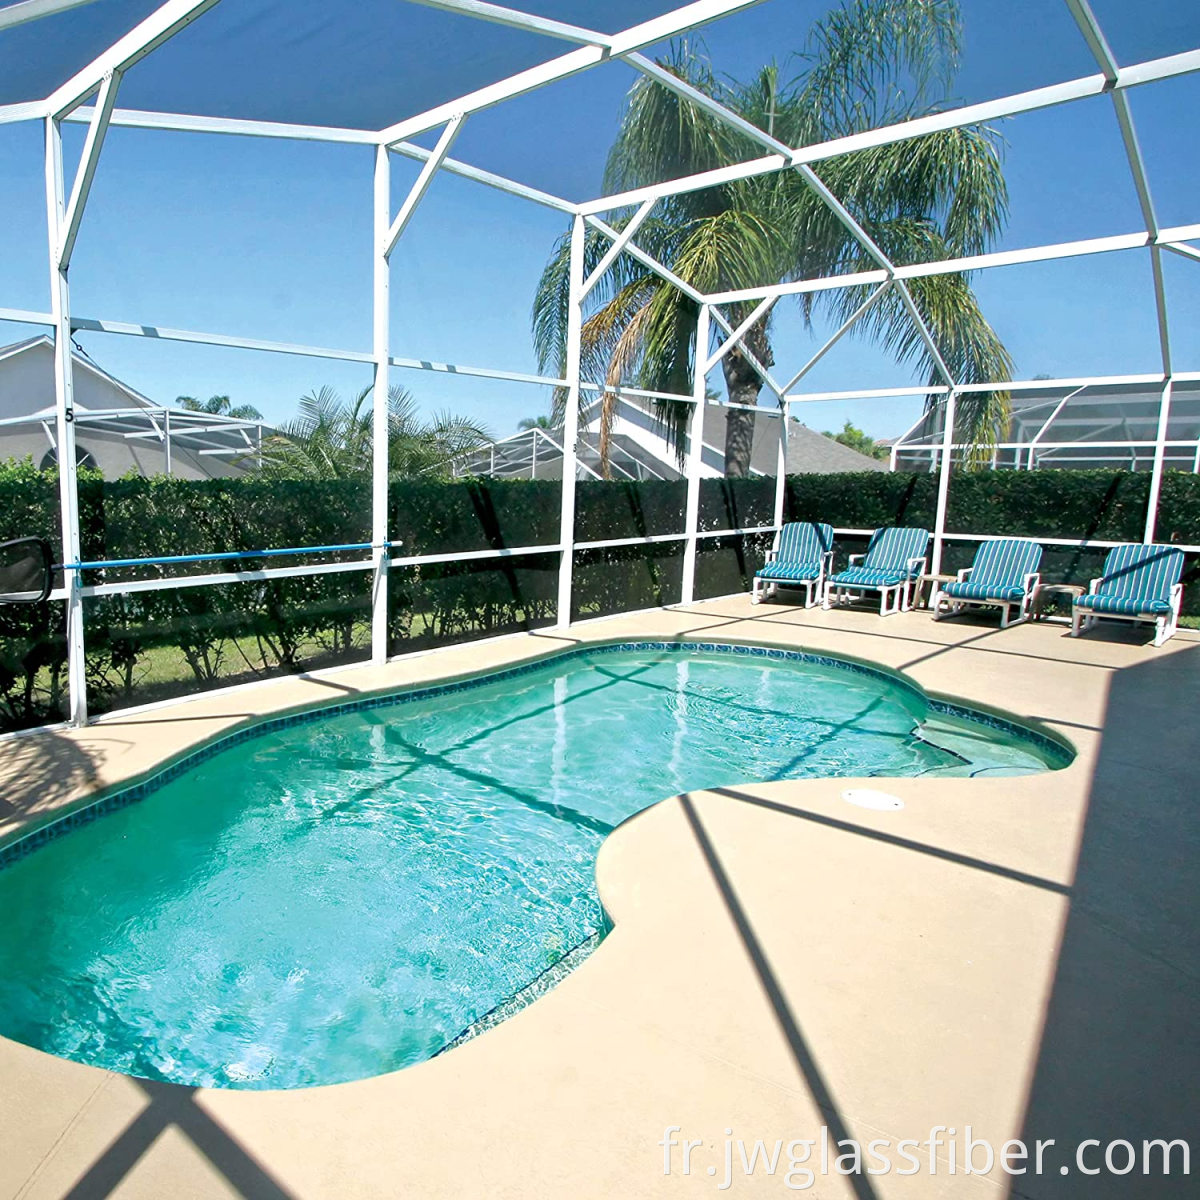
x: 809, y: 452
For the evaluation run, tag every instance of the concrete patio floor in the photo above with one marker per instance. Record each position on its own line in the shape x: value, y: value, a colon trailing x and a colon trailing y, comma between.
x: 1017, y: 955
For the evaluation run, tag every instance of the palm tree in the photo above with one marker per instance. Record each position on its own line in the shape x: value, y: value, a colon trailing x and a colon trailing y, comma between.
x: 539, y: 422
x: 220, y: 406
x: 867, y: 63
x: 330, y: 439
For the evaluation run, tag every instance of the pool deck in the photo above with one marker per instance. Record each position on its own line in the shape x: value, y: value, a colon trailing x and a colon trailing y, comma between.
x: 1017, y: 955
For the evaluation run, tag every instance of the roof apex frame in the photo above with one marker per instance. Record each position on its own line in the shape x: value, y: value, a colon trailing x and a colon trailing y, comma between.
x: 145, y: 37
x: 636, y: 37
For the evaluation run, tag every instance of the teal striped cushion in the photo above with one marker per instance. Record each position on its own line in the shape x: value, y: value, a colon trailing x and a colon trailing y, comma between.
x: 864, y: 576
x: 1122, y: 605
x: 970, y: 590
x: 790, y: 570
x: 799, y: 547
x: 999, y: 571
x: 891, y: 548
x: 1136, y: 579
x: 803, y: 541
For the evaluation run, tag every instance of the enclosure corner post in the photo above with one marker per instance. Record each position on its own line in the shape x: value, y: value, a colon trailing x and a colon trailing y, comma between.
x: 64, y: 393
x: 695, y: 448
x: 943, y: 493
x: 1160, y: 454
x: 379, y: 414
x: 566, y: 537
x: 785, y: 415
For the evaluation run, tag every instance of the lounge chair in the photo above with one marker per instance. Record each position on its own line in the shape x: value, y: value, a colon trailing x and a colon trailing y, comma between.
x: 1140, y: 583
x: 893, y: 565
x: 1004, y: 575
x: 801, y: 558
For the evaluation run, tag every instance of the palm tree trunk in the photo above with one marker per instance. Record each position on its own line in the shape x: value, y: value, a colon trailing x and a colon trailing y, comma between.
x: 743, y: 384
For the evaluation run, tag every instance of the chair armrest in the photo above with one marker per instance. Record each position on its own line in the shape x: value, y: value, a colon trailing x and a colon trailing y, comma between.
x: 916, y: 567
x: 1033, y: 581
x: 772, y: 555
x: 856, y: 558
x: 827, y: 561
x: 1094, y: 585
x: 962, y: 575
x: 1177, y: 596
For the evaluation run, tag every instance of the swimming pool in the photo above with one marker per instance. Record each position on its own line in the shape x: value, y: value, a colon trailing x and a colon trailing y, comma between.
x: 340, y: 893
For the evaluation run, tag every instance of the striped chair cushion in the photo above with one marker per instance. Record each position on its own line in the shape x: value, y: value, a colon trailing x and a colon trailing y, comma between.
x: 866, y: 577
x: 891, y: 549
x: 968, y: 589
x: 999, y: 571
x: 790, y: 570
x: 799, y: 547
x: 1124, y: 606
x: 1137, y: 579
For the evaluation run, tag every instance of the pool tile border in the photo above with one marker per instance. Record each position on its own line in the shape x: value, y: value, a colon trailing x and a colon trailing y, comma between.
x: 124, y: 795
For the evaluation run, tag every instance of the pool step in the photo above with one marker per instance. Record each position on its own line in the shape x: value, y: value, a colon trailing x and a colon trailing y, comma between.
x: 963, y: 744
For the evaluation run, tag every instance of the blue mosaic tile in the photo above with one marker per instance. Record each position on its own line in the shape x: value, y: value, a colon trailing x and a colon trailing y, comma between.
x: 1050, y: 747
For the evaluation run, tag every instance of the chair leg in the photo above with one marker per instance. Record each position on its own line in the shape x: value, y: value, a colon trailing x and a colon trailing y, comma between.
x: 1076, y: 617
x: 756, y: 591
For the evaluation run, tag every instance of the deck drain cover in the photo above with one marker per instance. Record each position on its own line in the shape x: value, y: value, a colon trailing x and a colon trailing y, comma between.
x: 869, y: 798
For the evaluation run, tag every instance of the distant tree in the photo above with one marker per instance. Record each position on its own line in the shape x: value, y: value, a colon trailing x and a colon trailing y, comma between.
x: 854, y: 437
x: 542, y: 422
x: 220, y: 406
x: 330, y: 439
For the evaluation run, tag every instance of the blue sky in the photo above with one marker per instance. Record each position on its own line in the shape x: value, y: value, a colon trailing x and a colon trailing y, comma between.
x: 271, y: 239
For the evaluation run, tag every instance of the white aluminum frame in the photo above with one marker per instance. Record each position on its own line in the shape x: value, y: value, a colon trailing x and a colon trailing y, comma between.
x: 101, y: 78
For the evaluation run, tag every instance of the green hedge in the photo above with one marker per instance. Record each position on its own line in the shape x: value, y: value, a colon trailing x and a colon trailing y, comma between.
x: 152, y: 644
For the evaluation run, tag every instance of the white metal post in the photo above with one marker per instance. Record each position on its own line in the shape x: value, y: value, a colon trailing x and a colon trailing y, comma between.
x: 691, y: 511
x: 64, y: 392
x: 785, y: 415
x: 379, y: 415
x: 943, y: 496
x: 566, y: 537
x: 1156, y: 473
x: 167, y: 442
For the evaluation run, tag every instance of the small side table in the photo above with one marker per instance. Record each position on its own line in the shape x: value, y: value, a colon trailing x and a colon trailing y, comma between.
x: 934, y: 583
x: 1050, y: 595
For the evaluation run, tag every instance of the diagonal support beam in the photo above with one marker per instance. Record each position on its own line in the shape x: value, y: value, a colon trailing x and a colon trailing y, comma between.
x: 424, y: 179
x: 860, y: 235
x: 1184, y: 251
x: 681, y: 88
x: 646, y: 260
x: 88, y: 162
x: 499, y: 15
x: 614, y: 251
x: 161, y: 25
x: 761, y: 371
x: 1081, y: 10
x: 734, y: 339
x: 690, y: 292
x: 637, y: 37
x: 852, y: 320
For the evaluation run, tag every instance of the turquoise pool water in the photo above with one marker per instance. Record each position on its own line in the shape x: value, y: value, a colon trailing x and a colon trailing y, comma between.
x: 344, y: 896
